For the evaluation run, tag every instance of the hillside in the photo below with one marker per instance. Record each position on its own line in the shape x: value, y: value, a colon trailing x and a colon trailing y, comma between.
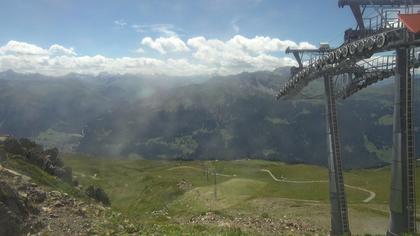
x: 36, y: 200
x: 254, y: 197
x: 159, y: 117
x: 241, y: 197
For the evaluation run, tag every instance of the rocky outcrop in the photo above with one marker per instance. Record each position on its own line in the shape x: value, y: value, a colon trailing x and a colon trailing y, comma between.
x: 27, y: 208
x: 184, y: 185
x: 48, y: 160
x: 52, y: 155
x: 98, y: 194
x: 18, y: 198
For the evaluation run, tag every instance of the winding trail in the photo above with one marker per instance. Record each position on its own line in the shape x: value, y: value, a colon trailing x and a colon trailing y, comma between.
x: 185, y: 167
x: 372, y: 194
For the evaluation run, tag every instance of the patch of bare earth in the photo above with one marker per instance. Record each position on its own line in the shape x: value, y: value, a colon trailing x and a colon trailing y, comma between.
x: 263, y: 225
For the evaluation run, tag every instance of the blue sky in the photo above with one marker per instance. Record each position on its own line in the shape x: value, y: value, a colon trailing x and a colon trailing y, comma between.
x: 116, y: 29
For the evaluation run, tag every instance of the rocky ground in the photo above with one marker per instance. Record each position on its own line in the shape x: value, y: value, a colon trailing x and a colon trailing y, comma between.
x: 261, y: 224
x: 39, y: 196
x: 29, y: 209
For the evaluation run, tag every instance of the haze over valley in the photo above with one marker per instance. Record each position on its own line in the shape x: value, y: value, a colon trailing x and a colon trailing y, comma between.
x: 191, y: 118
x: 209, y: 117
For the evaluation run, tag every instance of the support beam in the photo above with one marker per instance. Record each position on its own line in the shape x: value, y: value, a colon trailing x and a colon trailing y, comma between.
x: 402, y: 203
x: 339, y: 215
x: 298, y: 59
x: 342, y: 3
x: 357, y: 13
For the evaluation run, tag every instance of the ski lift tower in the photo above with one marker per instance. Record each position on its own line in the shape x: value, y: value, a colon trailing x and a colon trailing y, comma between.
x: 383, y: 27
x: 339, y: 214
x: 400, y: 18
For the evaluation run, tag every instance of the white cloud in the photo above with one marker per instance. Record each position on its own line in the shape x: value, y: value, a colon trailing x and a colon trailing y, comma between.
x: 21, y: 48
x: 260, y: 44
x: 164, y: 45
x: 120, y: 23
x: 58, y: 60
x: 242, y: 54
x: 59, y: 50
x: 167, y: 30
x: 200, y: 56
x: 306, y: 45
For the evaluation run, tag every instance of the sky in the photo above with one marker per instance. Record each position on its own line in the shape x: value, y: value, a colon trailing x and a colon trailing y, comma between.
x: 173, y: 37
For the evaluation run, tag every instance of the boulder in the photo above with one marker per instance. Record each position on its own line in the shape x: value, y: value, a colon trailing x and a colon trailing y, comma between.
x: 35, y: 156
x: 98, y: 194
x: 52, y: 154
x: 64, y: 174
x: 37, y: 196
x: 47, y: 165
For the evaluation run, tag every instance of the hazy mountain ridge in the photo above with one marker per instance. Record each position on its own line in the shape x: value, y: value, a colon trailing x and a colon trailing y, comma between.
x: 232, y: 117
x: 193, y: 118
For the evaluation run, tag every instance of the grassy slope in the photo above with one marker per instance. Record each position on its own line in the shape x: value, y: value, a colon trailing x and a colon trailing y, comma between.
x: 39, y: 176
x: 139, y: 187
x: 113, y: 220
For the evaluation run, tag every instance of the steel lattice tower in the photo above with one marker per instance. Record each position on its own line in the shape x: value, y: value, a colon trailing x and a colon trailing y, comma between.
x: 394, y: 27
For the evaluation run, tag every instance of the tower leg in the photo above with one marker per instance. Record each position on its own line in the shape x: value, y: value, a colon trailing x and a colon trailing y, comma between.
x: 402, y: 203
x: 339, y: 215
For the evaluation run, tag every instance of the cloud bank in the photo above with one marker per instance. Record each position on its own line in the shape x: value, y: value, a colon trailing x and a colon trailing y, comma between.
x: 164, y: 45
x: 194, y: 56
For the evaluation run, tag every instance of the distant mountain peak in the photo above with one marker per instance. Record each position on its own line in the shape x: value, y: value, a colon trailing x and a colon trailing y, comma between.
x: 9, y: 71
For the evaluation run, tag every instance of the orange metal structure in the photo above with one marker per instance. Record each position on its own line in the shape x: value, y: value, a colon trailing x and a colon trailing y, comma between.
x: 411, y: 21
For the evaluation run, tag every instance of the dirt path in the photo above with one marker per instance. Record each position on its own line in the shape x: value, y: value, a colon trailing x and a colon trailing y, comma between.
x: 372, y: 194
x: 293, y: 181
x: 185, y: 167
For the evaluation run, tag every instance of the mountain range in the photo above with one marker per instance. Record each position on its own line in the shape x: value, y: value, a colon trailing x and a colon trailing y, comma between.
x: 214, y: 117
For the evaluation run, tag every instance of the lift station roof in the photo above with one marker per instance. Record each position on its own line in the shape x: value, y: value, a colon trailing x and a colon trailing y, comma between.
x: 411, y: 21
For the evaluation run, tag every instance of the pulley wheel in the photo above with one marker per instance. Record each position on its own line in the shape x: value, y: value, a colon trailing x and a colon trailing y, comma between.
x: 352, y: 48
x: 337, y: 54
x: 380, y: 40
x: 360, y: 46
x: 331, y: 57
x: 344, y: 51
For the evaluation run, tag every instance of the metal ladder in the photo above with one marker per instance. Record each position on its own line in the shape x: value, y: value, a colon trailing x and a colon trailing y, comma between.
x: 403, y: 202
x: 339, y: 168
x: 337, y: 172
x: 411, y: 160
